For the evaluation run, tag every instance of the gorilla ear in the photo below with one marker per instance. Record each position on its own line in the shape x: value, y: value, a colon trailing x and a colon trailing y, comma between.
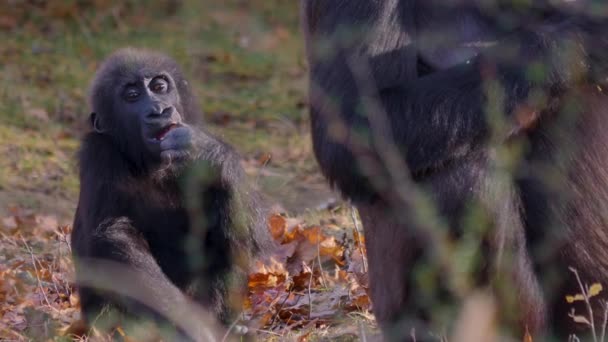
x: 96, y: 123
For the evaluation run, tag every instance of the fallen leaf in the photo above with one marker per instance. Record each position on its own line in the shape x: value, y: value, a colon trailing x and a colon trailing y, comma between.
x: 277, y: 226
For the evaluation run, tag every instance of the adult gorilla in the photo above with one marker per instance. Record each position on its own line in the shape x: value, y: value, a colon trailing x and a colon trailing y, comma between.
x: 408, y: 95
x: 177, y: 237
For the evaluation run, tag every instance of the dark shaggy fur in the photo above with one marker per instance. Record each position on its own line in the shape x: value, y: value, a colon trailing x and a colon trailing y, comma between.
x: 401, y: 92
x: 180, y: 216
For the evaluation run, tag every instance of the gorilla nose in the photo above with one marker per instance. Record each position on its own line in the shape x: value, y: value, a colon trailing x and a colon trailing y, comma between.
x: 161, y: 111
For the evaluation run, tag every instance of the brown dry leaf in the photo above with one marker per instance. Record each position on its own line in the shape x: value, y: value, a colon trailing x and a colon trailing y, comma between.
x: 292, y: 234
x: 359, y: 303
x: 302, y: 281
x: 270, y: 265
x: 263, y: 158
x: 291, y: 290
x: 268, y: 280
x: 305, y: 252
x: 329, y: 247
x: 313, y: 234
x: 359, y: 239
x: 277, y: 226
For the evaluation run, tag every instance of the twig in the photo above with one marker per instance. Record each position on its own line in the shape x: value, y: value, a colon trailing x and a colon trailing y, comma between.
x: 320, y: 266
x: 54, y: 280
x: 362, y: 336
x: 55, y: 283
x: 353, y: 215
x: 585, y: 293
x: 232, y: 325
x: 280, y: 306
x: 267, y: 332
x: 604, y: 322
x: 573, y: 338
x: 46, y: 299
x: 6, y: 238
x: 63, y: 238
x: 309, y: 292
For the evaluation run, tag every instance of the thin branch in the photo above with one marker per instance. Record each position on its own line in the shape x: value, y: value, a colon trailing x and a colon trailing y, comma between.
x: 585, y: 293
x: 40, y: 288
x: 276, y: 314
x: 267, y: 332
x: 604, y: 322
x: 319, y: 262
x: 232, y: 325
x: 362, y: 336
x: 309, y: 291
x: 353, y: 215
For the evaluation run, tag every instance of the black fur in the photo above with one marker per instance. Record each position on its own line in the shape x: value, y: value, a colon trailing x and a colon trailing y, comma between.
x: 381, y: 87
x: 177, y: 212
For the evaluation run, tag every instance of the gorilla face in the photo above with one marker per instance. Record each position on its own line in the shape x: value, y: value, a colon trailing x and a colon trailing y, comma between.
x: 142, y: 111
x: 149, y: 105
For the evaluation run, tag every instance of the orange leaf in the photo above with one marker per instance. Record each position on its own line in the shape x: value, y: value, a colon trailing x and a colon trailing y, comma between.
x: 277, y: 226
x: 292, y: 235
x: 359, y: 239
x: 313, y: 234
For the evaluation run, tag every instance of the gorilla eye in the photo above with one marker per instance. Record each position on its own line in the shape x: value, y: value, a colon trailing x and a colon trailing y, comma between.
x: 159, y: 85
x: 131, y: 94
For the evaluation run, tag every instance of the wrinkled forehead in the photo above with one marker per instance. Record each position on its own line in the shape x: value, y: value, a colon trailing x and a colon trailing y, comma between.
x: 129, y: 68
x: 134, y: 71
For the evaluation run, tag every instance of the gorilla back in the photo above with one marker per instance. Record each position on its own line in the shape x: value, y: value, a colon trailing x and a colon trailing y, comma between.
x: 160, y: 197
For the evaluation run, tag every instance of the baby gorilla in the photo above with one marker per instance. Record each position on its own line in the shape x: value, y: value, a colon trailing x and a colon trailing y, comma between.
x: 164, y: 213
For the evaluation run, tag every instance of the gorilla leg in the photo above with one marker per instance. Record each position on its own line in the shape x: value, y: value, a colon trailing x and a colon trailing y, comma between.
x: 120, y: 260
x: 392, y: 250
x: 401, y: 254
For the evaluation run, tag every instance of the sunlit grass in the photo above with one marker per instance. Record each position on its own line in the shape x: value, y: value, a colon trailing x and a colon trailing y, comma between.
x: 243, y: 59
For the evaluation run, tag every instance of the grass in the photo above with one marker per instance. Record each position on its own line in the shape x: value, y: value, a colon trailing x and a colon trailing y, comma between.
x: 244, y: 60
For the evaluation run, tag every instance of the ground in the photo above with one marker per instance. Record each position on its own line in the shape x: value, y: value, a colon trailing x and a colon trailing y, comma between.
x: 245, y: 61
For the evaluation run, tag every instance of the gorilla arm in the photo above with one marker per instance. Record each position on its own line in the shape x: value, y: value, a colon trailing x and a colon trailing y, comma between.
x: 115, y: 267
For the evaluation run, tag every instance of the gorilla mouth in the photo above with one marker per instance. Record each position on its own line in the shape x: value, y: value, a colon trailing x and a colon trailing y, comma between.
x: 164, y: 131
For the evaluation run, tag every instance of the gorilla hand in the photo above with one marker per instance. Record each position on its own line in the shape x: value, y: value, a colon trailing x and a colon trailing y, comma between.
x: 178, y: 144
